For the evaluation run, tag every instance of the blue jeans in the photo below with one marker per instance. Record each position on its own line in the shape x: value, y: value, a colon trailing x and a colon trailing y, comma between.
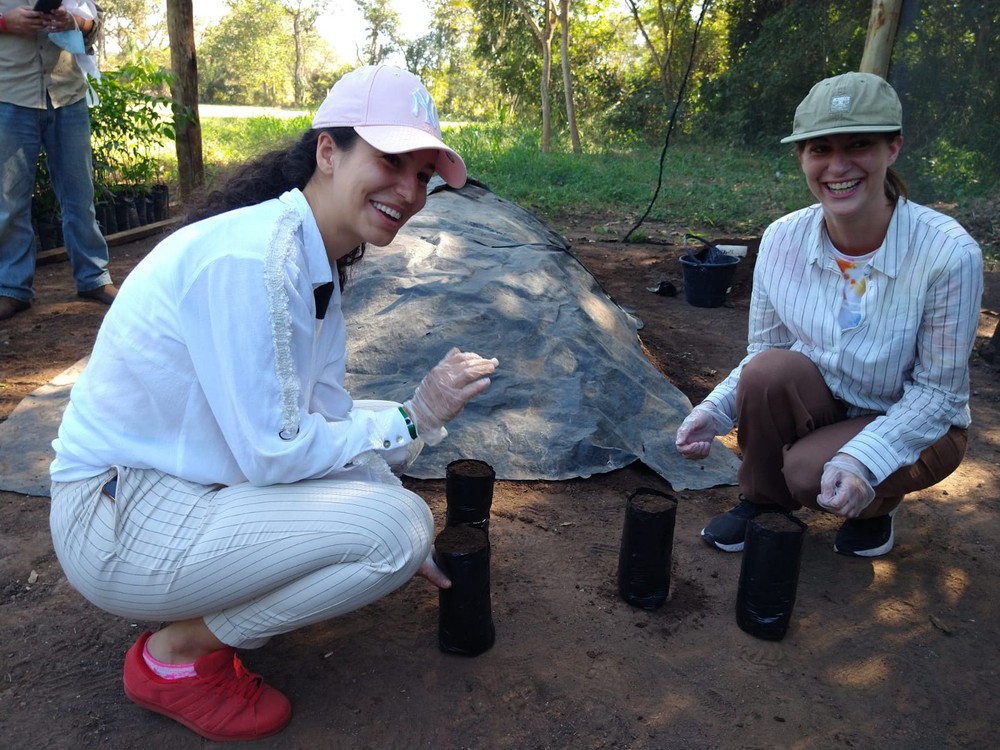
x: 65, y: 135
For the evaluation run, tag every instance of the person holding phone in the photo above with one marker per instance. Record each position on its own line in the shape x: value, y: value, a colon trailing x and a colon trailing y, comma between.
x: 43, y: 106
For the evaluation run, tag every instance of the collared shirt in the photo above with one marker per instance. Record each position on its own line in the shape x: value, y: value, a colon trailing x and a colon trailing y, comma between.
x: 214, y: 364
x: 32, y: 67
x: 907, y: 359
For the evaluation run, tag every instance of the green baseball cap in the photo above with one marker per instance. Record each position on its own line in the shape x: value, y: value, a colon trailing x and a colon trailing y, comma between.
x: 848, y: 103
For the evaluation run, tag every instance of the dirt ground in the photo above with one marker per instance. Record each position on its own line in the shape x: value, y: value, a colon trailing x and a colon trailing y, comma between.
x: 899, y: 652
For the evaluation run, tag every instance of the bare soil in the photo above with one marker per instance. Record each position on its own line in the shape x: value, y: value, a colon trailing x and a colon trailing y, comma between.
x: 898, y: 652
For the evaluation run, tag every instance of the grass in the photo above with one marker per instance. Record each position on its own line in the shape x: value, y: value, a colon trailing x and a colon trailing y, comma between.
x: 732, y: 191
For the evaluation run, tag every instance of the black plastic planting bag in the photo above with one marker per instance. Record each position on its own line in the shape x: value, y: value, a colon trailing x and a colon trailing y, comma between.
x: 769, y: 575
x: 469, y: 493
x: 465, y: 616
x: 647, y: 545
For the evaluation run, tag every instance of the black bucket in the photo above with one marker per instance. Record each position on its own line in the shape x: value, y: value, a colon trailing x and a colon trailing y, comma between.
x: 706, y: 284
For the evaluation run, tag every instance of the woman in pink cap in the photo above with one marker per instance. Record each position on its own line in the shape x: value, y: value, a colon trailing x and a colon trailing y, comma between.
x: 855, y: 387
x: 211, y: 470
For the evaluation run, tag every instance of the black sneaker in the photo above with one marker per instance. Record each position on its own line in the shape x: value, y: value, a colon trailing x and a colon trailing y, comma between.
x: 865, y: 537
x: 727, y: 531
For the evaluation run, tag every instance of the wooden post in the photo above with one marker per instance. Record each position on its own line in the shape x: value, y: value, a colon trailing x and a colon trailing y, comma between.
x: 881, y: 36
x: 184, y: 63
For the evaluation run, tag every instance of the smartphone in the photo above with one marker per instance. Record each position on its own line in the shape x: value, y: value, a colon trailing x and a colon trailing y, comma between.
x: 47, y: 6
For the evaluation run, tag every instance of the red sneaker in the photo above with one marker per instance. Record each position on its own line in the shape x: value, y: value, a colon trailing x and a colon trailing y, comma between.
x: 224, y: 702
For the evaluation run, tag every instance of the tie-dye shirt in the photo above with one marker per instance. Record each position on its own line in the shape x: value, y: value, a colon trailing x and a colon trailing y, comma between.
x: 854, y: 270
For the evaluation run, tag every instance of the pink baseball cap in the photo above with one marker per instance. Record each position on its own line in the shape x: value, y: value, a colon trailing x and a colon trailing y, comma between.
x: 392, y: 110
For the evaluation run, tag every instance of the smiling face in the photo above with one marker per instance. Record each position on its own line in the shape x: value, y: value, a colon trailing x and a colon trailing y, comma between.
x: 846, y: 172
x: 364, y: 195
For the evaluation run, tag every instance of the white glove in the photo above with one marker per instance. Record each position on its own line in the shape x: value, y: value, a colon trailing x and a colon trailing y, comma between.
x: 845, y: 488
x: 445, y: 390
x: 699, y: 429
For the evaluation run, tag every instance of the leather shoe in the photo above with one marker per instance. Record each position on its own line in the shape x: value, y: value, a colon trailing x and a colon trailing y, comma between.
x: 103, y: 294
x: 11, y: 306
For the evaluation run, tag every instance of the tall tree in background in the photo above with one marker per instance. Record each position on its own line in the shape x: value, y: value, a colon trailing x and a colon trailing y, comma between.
x: 304, y: 14
x: 184, y: 62
x: 543, y: 33
x: 132, y: 27
x: 447, y: 59
x: 382, y: 31
x: 244, y: 58
x: 567, y: 72
x: 658, y: 25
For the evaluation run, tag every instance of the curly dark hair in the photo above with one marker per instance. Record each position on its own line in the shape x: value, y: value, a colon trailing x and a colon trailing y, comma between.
x: 268, y: 176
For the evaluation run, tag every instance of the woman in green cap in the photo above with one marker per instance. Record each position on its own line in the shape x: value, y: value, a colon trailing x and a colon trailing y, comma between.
x: 855, y: 387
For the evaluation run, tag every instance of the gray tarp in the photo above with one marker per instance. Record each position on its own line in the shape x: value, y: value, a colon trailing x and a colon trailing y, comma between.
x: 574, y: 394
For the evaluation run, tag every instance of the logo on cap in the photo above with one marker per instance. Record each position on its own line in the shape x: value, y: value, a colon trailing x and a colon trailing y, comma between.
x: 422, y: 101
x: 840, y: 104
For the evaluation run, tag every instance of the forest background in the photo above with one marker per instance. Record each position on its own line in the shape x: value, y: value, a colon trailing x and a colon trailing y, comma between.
x: 605, y: 80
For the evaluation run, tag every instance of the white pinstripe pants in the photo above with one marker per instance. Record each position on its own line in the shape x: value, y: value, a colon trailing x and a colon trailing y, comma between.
x: 252, y: 561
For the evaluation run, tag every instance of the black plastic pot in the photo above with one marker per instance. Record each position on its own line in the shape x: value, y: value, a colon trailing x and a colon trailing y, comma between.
x: 124, y: 208
x: 465, y: 615
x: 160, y: 194
x: 48, y: 235
x: 469, y: 493
x: 646, y: 548
x: 769, y: 575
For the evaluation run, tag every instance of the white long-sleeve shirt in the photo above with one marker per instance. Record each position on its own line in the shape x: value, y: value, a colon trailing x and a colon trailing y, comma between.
x: 907, y: 359
x: 213, y: 366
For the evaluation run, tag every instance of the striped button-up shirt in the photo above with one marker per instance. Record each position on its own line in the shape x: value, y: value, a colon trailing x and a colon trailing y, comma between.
x: 908, y: 357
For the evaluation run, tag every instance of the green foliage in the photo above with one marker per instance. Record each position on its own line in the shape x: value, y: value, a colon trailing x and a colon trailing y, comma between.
x: 232, y: 140
x: 704, y: 185
x: 382, y: 31
x: 44, y: 205
x: 134, y: 28
x: 246, y: 57
x: 777, y: 53
x: 946, y: 67
x: 131, y: 123
x: 252, y: 55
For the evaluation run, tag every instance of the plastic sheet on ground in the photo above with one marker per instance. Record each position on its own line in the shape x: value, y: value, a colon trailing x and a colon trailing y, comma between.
x: 574, y: 394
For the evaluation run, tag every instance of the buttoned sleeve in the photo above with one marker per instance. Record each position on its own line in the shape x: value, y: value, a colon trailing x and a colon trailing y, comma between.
x: 935, y: 392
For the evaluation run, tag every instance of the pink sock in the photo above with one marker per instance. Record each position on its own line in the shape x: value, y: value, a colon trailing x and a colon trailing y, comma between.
x: 167, y: 671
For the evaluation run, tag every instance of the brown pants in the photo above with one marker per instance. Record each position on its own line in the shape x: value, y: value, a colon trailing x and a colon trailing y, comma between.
x: 790, y: 425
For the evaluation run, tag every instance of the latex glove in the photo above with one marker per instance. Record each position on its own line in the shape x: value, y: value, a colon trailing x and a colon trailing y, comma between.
x: 434, y: 574
x: 699, y: 429
x: 445, y: 390
x: 845, y: 488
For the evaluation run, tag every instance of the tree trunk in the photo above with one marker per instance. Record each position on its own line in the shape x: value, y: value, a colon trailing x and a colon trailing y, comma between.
x: 544, y: 36
x: 667, y: 18
x: 882, y: 27
x: 184, y: 89
x: 546, y: 94
x: 574, y: 134
x: 297, y: 74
